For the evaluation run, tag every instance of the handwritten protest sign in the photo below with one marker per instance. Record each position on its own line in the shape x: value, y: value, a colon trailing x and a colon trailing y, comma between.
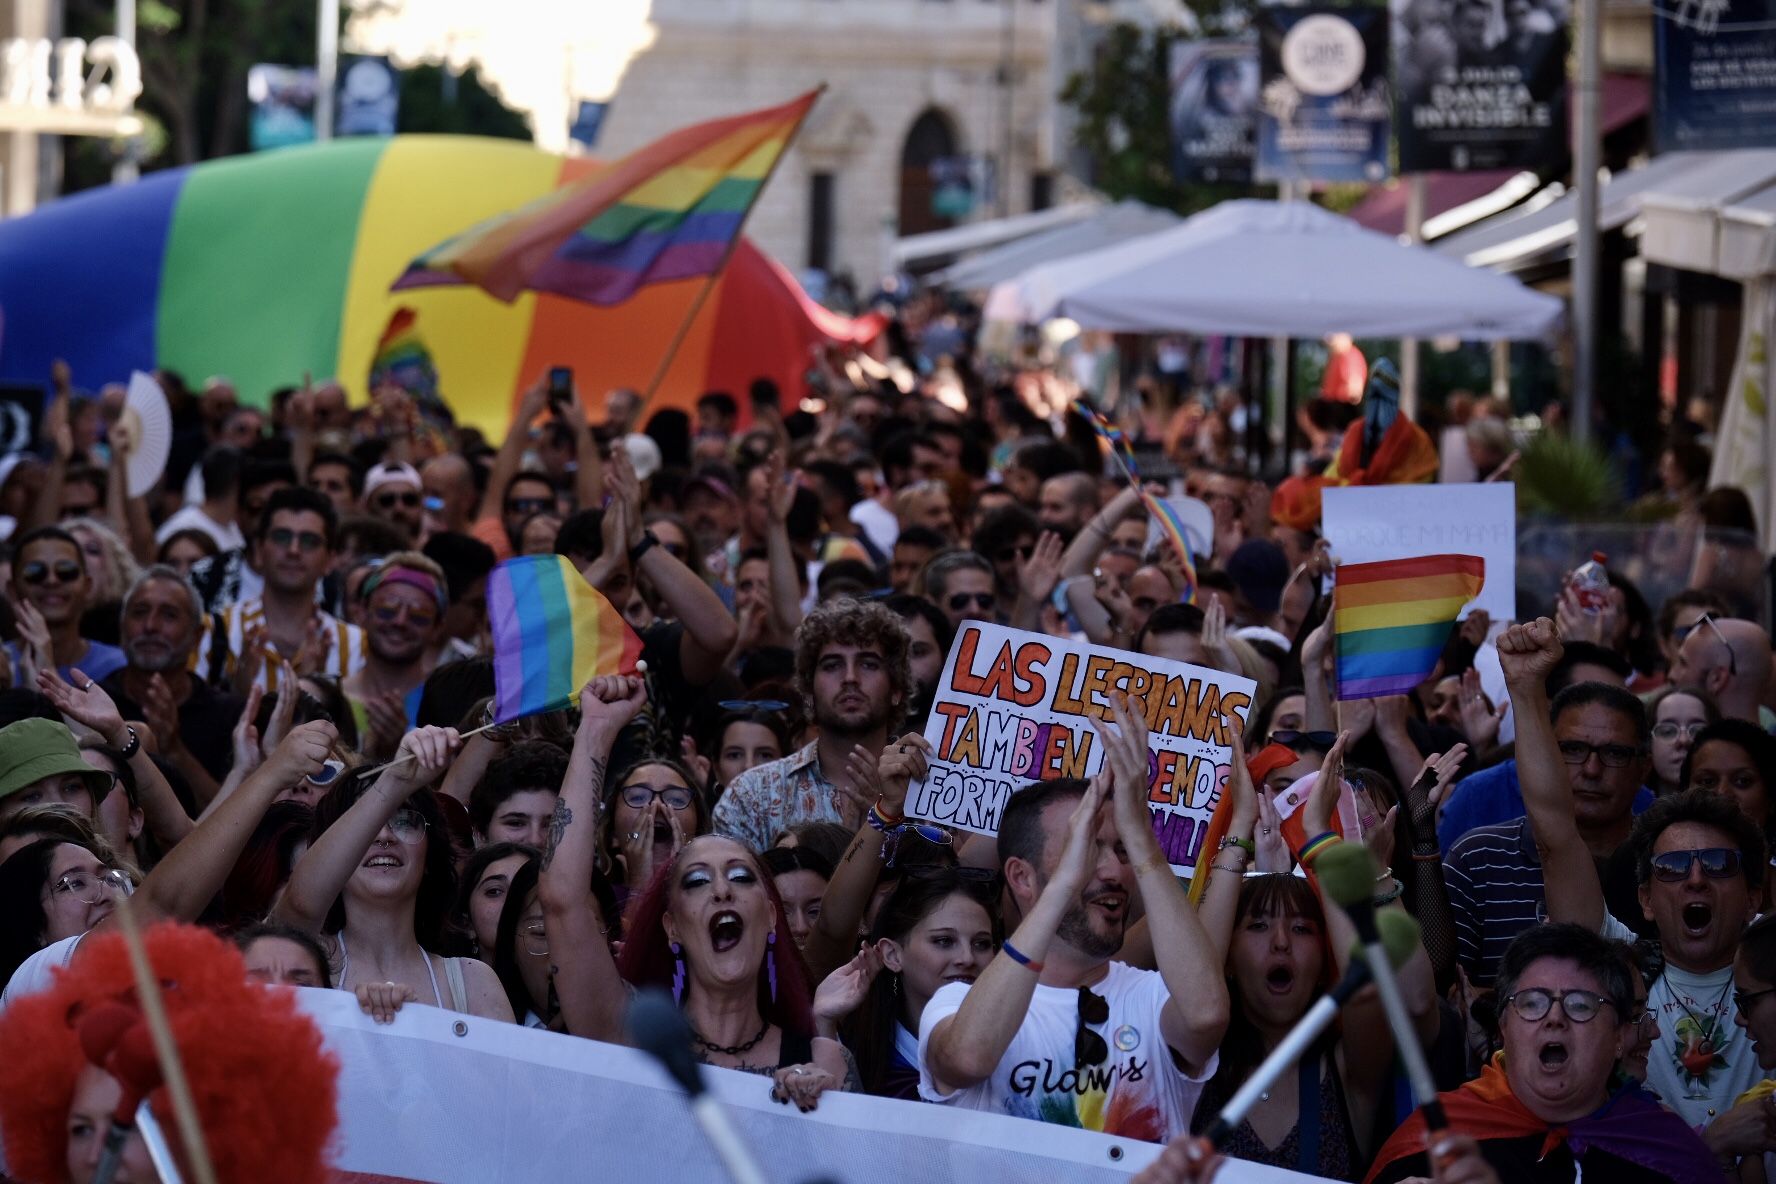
x: 1364, y: 523
x: 1015, y: 707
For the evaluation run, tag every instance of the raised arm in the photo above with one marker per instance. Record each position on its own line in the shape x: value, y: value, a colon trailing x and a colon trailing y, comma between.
x: 321, y: 874
x: 127, y: 515
x: 709, y: 628
x: 1226, y: 868
x: 88, y: 704
x: 1082, y: 553
x: 1569, y: 878
x: 1316, y: 678
x: 585, y: 976
x: 1037, y: 577
x: 46, y: 509
x: 963, y: 1049
x: 785, y: 602
x: 1195, y: 1017
x: 510, y: 457
x: 1422, y: 874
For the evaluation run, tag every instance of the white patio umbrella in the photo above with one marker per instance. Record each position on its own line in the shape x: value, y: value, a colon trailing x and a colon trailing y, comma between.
x: 1272, y: 269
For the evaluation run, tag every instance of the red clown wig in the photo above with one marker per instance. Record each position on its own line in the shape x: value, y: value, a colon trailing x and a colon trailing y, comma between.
x: 264, y: 1086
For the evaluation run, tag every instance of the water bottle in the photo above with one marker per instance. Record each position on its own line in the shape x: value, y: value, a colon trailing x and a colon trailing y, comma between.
x: 1590, y: 584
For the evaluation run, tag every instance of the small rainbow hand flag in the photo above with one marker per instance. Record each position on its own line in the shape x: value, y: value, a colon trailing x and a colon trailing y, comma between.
x: 1392, y: 619
x: 402, y: 360
x: 1173, y: 526
x: 552, y: 634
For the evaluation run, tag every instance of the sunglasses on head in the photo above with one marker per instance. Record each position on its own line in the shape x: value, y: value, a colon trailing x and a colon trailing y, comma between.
x: 1089, y: 1047
x: 1718, y: 863
x: 983, y: 600
x: 37, y: 573
x: 1291, y: 738
x: 984, y: 877
x: 1708, y: 620
x: 388, y: 501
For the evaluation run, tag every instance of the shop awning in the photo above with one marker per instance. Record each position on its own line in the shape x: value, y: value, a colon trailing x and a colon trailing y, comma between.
x: 937, y: 245
x: 1748, y: 236
x: 1106, y: 227
x: 1684, y: 224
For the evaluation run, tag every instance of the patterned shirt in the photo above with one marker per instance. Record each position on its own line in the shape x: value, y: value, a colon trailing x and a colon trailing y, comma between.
x: 765, y: 801
x: 347, y: 647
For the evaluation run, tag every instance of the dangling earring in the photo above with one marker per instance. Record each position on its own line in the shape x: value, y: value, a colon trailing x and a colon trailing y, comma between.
x: 894, y: 986
x: 678, y: 974
x: 771, y: 962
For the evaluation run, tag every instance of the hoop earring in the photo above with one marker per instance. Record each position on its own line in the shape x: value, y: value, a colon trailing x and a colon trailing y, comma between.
x: 771, y: 962
x: 678, y: 974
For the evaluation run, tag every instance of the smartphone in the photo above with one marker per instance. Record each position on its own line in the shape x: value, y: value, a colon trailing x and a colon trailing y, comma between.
x: 561, y: 381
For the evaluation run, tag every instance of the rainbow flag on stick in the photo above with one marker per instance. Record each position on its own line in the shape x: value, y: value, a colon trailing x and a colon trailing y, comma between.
x: 552, y: 634
x: 1162, y: 512
x: 1392, y: 619
x: 668, y: 211
x: 401, y: 358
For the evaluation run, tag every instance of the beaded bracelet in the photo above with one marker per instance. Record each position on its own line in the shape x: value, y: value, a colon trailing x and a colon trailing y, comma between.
x: 1246, y: 845
x: 1311, y: 849
x: 1390, y: 896
x: 1019, y: 957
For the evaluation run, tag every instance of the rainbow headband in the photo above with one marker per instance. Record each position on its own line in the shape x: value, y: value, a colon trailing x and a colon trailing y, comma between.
x: 412, y: 577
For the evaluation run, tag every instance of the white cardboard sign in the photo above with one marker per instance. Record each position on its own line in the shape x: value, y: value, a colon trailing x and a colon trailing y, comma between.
x: 1365, y: 523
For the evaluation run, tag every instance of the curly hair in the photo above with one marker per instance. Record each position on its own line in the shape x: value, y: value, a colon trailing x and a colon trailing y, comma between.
x: 1707, y: 809
x: 525, y: 766
x: 273, y: 1127
x: 863, y: 623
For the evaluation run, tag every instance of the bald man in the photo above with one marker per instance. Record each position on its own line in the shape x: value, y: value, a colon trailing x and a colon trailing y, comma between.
x: 451, y: 499
x: 1730, y: 659
x: 1067, y: 502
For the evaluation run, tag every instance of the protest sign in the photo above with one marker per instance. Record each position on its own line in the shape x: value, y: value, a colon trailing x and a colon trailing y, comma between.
x: 1480, y: 87
x: 1214, y: 111
x: 455, y: 1099
x: 1715, y: 74
x: 1364, y: 523
x: 1015, y: 707
x: 1325, y: 111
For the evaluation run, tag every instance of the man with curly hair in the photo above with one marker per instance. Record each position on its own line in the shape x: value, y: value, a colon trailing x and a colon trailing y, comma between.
x: 851, y: 671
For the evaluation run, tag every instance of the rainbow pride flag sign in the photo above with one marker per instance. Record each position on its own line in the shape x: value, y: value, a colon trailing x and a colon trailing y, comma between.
x: 552, y: 634
x: 1392, y: 618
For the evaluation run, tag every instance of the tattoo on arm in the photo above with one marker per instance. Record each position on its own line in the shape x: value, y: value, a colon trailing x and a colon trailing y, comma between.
x: 558, y: 824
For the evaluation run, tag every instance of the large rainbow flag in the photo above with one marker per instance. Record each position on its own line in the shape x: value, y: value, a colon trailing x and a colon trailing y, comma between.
x: 1392, y: 618
x: 264, y: 266
x: 552, y: 634
x: 668, y: 211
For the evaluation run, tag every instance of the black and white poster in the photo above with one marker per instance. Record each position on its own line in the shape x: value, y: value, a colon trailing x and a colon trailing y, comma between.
x: 1214, y: 110
x: 1716, y: 74
x: 1482, y: 83
x: 1324, y: 108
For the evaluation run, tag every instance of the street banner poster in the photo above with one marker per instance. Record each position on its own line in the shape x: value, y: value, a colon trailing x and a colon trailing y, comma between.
x: 1482, y: 85
x: 1213, y: 100
x: 1014, y: 707
x: 1324, y: 109
x: 1715, y: 74
x: 1367, y: 523
x: 283, y: 99
x: 369, y: 98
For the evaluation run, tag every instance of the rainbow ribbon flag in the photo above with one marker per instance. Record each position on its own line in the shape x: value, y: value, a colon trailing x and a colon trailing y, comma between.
x: 1113, y: 436
x: 401, y: 358
x: 1393, y: 617
x: 552, y: 634
x: 670, y: 210
x: 1162, y: 512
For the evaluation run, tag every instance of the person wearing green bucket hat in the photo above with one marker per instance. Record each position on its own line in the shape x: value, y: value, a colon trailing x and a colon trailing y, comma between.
x: 40, y: 764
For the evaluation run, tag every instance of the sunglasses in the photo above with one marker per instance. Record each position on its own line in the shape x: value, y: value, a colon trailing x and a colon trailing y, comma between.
x: 1007, y: 554
x: 753, y: 705
x: 1613, y: 756
x: 1718, y: 863
x: 1581, y: 1007
x: 308, y: 540
x: 639, y: 796
x: 1289, y: 738
x: 960, y: 873
x: 388, y: 501
x: 37, y: 573
x: 384, y: 614
x: 961, y: 600
x: 1089, y: 1047
x: 529, y: 505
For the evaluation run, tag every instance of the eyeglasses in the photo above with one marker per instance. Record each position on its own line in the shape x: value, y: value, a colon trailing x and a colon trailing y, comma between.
x: 753, y: 705
x: 529, y: 505
x: 641, y: 795
x: 388, y: 501
x: 91, y: 889
x: 408, y: 825
x: 1718, y: 863
x: 1089, y: 1047
x: 1007, y: 554
x: 1742, y: 1000
x: 388, y: 614
x: 308, y: 540
x: 961, y: 600
x: 1671, y: 731
x: 1613, y: 756
x: 37, y: 573
x: 536, y: 940
x: 1708, y: 620
x: 1581, y: 1007
x: 1290, y: 738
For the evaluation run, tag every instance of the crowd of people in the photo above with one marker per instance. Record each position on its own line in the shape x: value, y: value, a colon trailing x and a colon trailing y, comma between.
x: 253, y: 703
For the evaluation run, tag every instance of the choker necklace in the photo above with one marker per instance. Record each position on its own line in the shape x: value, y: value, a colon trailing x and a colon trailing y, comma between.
x: 730, y: 1050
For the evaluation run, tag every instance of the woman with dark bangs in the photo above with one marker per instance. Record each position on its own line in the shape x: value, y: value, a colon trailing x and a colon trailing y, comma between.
x: 709, y: 928
x: 265, y: 866
x: 378, y: 881
x: 520, y: 949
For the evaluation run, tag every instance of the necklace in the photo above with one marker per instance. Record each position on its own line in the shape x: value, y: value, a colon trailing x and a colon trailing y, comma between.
x: 730, y: 1050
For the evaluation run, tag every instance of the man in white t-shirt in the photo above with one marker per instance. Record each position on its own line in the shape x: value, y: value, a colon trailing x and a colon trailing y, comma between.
x: 1054, y: 1029
x: 1700, y: 863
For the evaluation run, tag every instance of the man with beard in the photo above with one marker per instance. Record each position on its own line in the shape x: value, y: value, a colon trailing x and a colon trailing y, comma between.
x: 1054, y: 1029
x: 405, y: 602
x: 162, y: 620
x: 851, y: 670
x: 1700, y: 864
x: 1068, y: 503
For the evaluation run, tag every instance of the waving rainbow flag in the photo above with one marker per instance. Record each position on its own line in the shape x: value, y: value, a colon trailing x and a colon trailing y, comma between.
x: 1392, y: 618
x: 667, y: 211
x: 1162, y: 512
x: 552, y: 634
x: 402, y: 359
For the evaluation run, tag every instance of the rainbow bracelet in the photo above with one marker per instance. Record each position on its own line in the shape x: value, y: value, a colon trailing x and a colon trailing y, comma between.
x: 1311, y: 849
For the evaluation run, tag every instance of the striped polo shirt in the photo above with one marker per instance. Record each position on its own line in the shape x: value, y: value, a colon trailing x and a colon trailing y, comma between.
x: 346, y: 653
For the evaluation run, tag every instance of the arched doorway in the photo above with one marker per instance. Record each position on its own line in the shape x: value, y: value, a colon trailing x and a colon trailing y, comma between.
x: 930, y: 139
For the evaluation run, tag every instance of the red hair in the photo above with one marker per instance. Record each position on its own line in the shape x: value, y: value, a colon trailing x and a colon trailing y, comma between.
x: 647, y: 960
x: 264, y: 1085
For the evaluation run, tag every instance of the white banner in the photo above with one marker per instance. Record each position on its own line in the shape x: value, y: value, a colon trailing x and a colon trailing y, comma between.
x: 450, y: 1099
x: 1365, y: 523
x: 1014, y: 707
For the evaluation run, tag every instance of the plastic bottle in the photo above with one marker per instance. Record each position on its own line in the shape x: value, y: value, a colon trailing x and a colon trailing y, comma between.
x: 1590, y: 584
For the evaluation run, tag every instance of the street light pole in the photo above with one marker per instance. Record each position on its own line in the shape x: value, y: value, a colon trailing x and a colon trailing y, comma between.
x: 1587, y: 154
x: 125, y: 170
x: 326, y: 67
